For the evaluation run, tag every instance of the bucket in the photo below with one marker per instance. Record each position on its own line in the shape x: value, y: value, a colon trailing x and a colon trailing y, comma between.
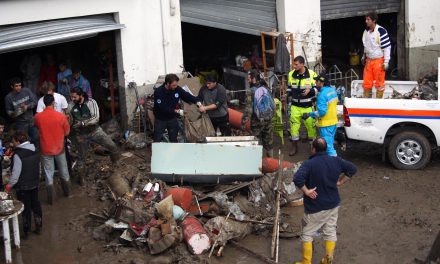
x: 354, y: 59
x: 235, y: 119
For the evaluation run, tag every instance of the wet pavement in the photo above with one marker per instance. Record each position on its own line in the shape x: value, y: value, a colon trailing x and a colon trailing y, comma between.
x: 386, y: 216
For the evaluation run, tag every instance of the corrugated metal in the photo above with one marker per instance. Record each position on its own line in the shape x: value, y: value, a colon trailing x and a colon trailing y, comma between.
x: 334, y: 9
x: 245, y: 16
x: 30, y: 35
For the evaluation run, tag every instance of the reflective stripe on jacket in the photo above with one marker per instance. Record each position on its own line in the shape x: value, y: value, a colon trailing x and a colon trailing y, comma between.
x: 326, y: 113
x: 299, y: 83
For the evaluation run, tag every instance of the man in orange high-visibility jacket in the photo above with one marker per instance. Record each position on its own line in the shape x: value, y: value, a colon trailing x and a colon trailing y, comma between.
x: 377, y: 49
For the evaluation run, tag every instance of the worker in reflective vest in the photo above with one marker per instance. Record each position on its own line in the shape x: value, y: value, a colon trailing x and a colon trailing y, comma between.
x: 376, y: 58
x: 326, y: 113
x: 301, y: 80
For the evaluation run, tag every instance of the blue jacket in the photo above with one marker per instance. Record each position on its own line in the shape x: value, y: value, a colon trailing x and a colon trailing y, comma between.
x: 322, y: 171
x: 165, y: 101
x: 326, y: 104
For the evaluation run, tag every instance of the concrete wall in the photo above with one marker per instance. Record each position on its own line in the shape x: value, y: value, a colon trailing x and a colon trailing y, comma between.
x: 147, y: 49
x: 303, y: 19
x: 422, y: 36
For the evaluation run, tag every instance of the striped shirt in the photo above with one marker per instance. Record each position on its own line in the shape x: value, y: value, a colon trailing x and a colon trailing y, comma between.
x: 87, y: 112
x: 377, y: 43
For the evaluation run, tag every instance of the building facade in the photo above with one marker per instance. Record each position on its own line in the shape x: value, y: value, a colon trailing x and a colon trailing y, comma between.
x: 147, y: 35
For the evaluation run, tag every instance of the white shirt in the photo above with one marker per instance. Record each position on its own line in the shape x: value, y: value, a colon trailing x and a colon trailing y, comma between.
x: 60, y: 103
x: 377, y: 45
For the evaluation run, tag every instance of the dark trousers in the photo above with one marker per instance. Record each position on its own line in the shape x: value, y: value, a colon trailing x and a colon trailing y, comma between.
x: 2, y: 188
x: 223, y: 124
x: 171, y: 125
x: 68, y: 157
x: 31, y: 205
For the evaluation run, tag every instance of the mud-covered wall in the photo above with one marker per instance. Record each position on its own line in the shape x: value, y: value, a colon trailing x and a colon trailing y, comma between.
x: 148, y: 46
x: 303, y: 19
x: 422, y: 36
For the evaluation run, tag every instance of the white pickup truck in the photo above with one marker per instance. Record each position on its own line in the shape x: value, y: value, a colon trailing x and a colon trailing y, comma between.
x: 408, y: 129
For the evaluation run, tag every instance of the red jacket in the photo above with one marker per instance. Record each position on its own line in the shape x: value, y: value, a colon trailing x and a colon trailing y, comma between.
x: 53, y: 127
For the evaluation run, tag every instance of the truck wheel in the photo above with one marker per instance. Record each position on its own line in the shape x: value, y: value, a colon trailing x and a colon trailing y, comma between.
x: 409, y: 151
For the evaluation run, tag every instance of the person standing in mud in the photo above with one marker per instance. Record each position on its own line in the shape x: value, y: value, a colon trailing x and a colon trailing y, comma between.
x: 326, y: 113
x: 303, y: 92
x: 25, y: 178
x: 84, y: 113
x: 166, y: 100
x: 259, y: 127
x: 214, y: 98
x: 319, y: 179
x: 53, y: 127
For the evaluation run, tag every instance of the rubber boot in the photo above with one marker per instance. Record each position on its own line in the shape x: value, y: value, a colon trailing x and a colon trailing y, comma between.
x: 26, y: 228
x: 50, y: 194
x: 65, y: 185
x: 294, y: 148
x: 82, y: 171
x: 367, y: 93
x: 269, y: 153
x: 38, y: 224
x: 329, y: 252
x: 306, y: 254
x: 379, y: 94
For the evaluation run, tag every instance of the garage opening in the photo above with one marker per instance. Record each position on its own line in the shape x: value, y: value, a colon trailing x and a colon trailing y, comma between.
x: 207, y: 49
x: 224, y: 37
x: 33, y: 52
x: 342, y: 42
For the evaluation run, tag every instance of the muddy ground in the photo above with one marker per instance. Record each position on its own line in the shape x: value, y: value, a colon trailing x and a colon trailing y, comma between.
x: 386, y: 216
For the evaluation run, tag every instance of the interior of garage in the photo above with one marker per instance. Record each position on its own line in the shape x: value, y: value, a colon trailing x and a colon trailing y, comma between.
x: 34, y: 50
x: 227, y: 54
x: 342, y: 39
x: 92, y: 55
x: 207, y: 48
x: 224, y: 37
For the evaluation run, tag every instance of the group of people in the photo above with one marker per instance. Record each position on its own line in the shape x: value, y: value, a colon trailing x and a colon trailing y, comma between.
x: 37, y: 75
x: 40, y: 139
x: 306, y: 87
x: 312, y: 101
x: 319, y: 177
x: 212, y: 99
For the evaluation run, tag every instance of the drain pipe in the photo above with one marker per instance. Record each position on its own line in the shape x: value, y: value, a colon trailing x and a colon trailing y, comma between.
x: 165, y: 41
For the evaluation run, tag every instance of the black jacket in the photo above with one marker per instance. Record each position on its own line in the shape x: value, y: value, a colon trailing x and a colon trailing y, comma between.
x: 166, y: 101
x: 30, y: 169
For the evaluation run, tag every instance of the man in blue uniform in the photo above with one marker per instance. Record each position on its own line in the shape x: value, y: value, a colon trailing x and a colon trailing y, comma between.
x: 166, y: 110
x: 319, y: 179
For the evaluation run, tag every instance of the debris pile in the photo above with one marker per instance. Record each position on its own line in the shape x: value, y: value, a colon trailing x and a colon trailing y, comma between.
x: 149, y: 214
x: 425, y: 90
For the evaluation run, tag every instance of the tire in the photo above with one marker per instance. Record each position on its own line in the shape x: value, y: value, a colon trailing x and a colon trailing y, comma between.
x: 409, y: 150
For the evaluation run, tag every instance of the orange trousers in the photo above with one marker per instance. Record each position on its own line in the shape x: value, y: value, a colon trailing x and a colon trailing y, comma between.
x: 374, y: 75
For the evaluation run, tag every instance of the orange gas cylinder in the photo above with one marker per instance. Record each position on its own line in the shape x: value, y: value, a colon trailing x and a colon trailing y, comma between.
x: 235, y: 119
x: 271, y: 165
x: 181, y: 197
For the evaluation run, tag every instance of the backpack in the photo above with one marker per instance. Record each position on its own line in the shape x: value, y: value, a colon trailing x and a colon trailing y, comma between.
x: 264, y: 107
